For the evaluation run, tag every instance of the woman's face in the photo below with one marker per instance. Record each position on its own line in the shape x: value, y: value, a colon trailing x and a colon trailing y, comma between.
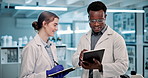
x: 97, y: 20
x: 51, y: 27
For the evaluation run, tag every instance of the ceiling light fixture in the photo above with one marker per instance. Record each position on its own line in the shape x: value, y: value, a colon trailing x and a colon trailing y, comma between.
x: 131, y: 11
x: 41, y: 8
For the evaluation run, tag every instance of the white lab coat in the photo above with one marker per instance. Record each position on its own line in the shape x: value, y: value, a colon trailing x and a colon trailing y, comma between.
x: 115, y: 59
x: 35, y: 59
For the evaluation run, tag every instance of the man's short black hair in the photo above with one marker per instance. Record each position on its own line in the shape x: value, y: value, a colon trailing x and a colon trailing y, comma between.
x: 96, y: 6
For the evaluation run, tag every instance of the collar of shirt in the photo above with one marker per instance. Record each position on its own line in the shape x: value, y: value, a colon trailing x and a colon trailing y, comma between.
x: 101, y: 32
x: 46, y: 45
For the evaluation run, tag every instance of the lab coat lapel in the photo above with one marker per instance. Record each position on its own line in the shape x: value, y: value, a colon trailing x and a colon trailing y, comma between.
x: 88, y: 36
x: 105, y: 36
x: 53, y: 50
x: 46, y: 54
x: 43, y: 50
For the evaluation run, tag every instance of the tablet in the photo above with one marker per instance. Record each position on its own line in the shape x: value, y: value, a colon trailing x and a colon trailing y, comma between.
x: 97, y: 54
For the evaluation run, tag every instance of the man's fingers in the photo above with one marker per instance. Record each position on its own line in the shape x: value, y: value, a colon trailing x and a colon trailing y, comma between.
x: 96, y: 61
x: 86, y: 65
x: 84, y: 50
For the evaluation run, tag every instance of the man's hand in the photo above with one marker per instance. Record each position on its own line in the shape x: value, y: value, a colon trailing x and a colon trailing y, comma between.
x: 81, y: 56
x: 95, y: 65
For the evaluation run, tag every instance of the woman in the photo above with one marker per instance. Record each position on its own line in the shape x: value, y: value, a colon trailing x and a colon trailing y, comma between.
x: 39, y: 55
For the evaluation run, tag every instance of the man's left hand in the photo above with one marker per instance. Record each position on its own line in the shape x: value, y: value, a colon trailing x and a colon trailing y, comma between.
x: 95, y: 65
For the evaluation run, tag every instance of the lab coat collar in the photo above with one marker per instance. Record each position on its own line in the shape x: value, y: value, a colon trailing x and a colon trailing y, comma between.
x: 44, y: 52
x: 48, y: 44
x: 88, y: 35
x: 105, y: 35
x: 38, y: 40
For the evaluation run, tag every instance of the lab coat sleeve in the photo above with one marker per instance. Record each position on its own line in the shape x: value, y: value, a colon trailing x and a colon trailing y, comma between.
x: 120, y: 66
x: 29, y: 57
x: 75, y: 58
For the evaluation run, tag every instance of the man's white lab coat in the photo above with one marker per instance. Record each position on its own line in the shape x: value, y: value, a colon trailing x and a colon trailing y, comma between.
x: 115, y: 59
x: 35, y: 59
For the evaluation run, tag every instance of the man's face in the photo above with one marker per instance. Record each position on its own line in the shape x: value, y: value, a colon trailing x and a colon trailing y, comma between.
x: 97, y: 20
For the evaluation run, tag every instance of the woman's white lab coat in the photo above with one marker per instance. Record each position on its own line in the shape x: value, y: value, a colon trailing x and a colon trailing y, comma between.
x: 35, y: 59
x: 115, y: 59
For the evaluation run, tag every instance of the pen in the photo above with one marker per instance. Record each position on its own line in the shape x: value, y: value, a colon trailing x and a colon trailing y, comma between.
x: 56, y: 62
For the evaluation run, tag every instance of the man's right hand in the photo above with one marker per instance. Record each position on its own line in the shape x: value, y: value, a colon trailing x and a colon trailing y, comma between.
x: 95, y: 65
x: 81, y: 56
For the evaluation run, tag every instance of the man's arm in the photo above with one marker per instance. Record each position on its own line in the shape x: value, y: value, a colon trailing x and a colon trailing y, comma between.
x: 120, y: 64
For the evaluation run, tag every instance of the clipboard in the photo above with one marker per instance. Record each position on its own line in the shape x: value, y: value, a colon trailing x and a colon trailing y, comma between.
x: 65, y: 70
x: 97, y: 54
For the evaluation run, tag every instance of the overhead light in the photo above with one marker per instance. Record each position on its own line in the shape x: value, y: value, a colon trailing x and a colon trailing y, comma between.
x: 132, y: 11
x: 41, y: 8
x: 127, y: 32
x: 65, y: 32
x: 81, y: 31
x: 72, y: 49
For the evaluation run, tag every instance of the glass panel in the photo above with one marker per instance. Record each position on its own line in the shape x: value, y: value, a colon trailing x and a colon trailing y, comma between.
x: 145, y: 24
x: 65, y: 33
x: 80, y: 28
x: 145, y: 62
x: 132, y: 58
x: 124, y: 24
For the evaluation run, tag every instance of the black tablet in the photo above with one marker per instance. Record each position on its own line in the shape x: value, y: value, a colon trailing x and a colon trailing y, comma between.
x: 97, y: 54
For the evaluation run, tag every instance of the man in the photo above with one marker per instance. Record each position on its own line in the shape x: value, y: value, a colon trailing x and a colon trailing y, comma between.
x: 115, y: 60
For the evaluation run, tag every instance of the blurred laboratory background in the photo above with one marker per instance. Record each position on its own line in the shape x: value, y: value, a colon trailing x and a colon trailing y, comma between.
x: 128, y: 17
